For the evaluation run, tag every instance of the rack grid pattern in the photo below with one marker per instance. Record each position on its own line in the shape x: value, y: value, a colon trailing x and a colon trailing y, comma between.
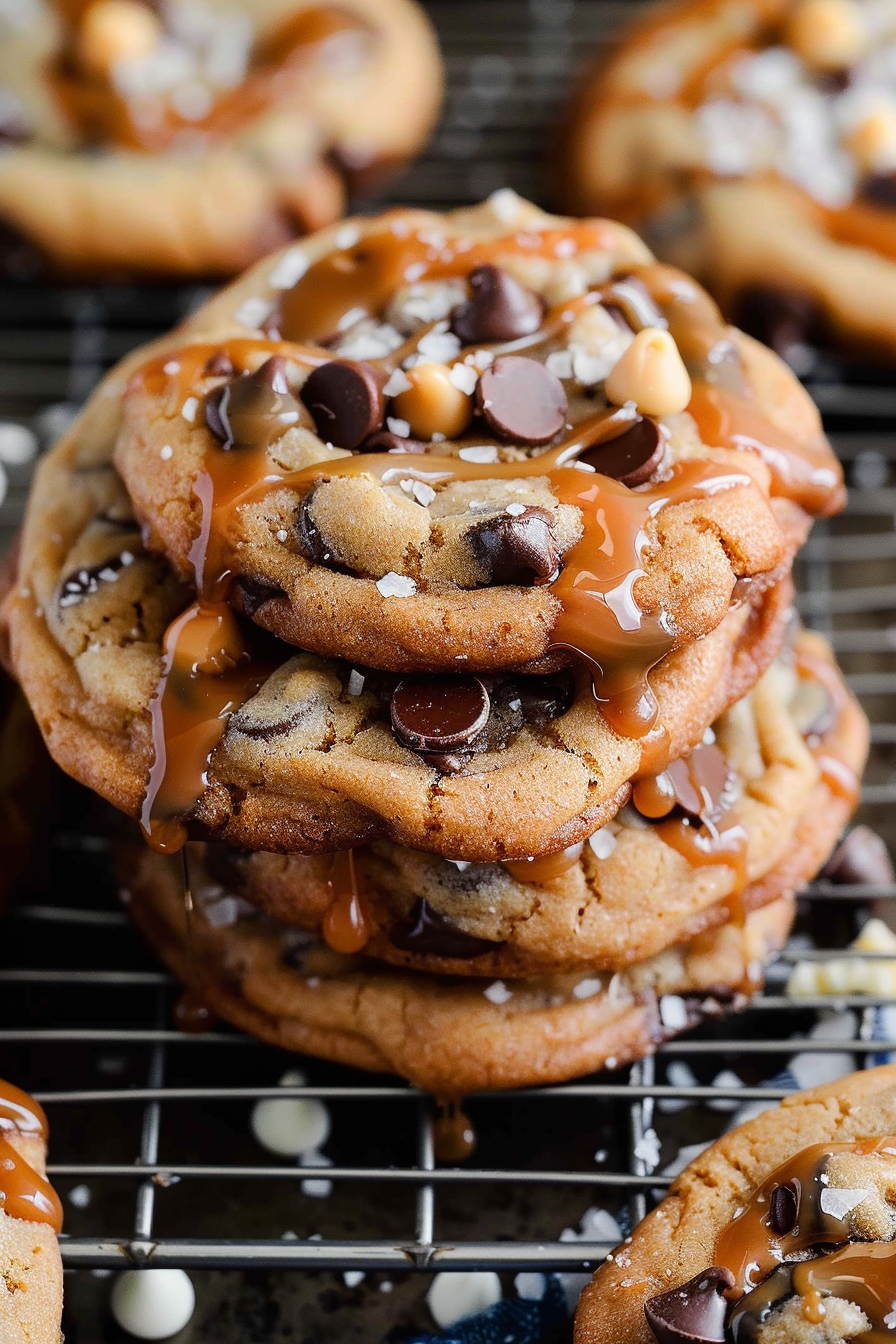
x: 86, y: 1018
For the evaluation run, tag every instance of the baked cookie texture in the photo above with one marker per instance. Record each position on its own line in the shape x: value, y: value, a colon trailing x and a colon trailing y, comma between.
x: 779, y: 768
x: 31, y: 1218
x: 448, y: 1035
x: 817, y: 1171
x: 755, y: 144
x: 187, y: 139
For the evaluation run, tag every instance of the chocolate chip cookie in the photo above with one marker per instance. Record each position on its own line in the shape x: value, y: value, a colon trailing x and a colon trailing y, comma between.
x: 30, y: 1219
x: 782, y: 1231
x: 188, y: 139
x: 755, y: 143
x: 747, y: 816
x: 491, y: 439
x: 448, y: 1035
x: 184, y: 717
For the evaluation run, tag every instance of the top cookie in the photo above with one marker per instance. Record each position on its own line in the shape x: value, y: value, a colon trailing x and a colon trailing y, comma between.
x: 189, y: 138
x: 495, y: 438
x: 782, y: 1232
x: 754, y: 141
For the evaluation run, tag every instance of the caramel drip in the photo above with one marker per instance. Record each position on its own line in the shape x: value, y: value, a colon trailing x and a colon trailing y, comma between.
x: 102, y: 112
x: 453, y: 1135
x: 706, y: 846
x: 803, y: 472
x: 546, y: 867
x: 345, y: 927
x: 24, y: 1193
x: 360, y: 280
x: 749, y: 1247
x: 206, y: 676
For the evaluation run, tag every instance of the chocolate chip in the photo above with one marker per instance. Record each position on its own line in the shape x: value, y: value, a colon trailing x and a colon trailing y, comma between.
x: 439, y: 713
x: 311, y: 543
x: 345, y: 399
x: 542, y: 699
x: 499, y: 309
x: 633, y: 457
x: 519, y: 549
x: 701, y: 782
x: 220, y: 365
x: 447, y: 763
x: 862, y: 859
x: 694, y: 1313
x: 387, y: 442
x: 880, y: 190
x: 250, y: 594
x: 629, y: 299
x: 255, y: 409
x: 428, y: 933
x: 783, y: 1208
x: 788, y: 320
x: 521, y: 400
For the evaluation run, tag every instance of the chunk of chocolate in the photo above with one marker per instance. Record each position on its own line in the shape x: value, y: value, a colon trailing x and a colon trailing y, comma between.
x: 701, y: 782
x: 219, y: 365
x: 880, y: 190
x: 85, y: 582
x: 499, y: 309
x: 694, y: 1313
x: 311, y: 543
x: 254, y: 410
x: 542, y: 699
x: 251, y: 593
x: 633, y: 457
x: 785, y: 319
x: 629, y: 300
x: 521, y: 400
x: 427, y: 932
x: 861, y: 858
x: 517, y: 548
x: 783, y: 1208
x: 345, y: 398
x: 439, y: 714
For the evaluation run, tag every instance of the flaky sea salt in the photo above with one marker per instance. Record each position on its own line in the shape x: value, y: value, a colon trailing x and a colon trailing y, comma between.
x: 602, y: 843
x: 289, y: 269
x: 396, y: 585
x: 497, y: 992
x: 463, y: 377
x: 486, y: 452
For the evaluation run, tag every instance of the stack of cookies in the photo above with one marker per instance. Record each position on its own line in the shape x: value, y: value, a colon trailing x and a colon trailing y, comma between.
x: 432, y: 581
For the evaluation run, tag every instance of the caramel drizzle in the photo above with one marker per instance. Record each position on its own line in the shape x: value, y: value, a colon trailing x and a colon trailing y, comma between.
x: 100, y: 110
x: 545, y: 867
x: 345, y: 925
x: 599, y: 618
x: 24, y: 1193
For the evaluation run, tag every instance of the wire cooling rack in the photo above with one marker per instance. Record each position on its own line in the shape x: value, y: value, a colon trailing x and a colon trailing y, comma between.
x: 151, y: 1141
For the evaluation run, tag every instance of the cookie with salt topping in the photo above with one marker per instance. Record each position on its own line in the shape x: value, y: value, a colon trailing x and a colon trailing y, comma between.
x: 755, y: 144
x: 494, y: 438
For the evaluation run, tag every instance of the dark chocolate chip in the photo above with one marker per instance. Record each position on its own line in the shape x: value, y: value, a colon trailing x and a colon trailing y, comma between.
x: 255, y: 409
x: 521, y: 400
x: 542, y: 699
x: 345, y: 399
x: 633, y: 457
x: 311, y: 543
x: 438, y: 714
x: 701, y: 782
x: 83, y: 583
x: 220, y: 365
x: 694, y: 1313
x: 499, y: 309
x: 387, y: 442
x: 251, y: 594
x: 519, y: 549
x: 880, y: 190
x: 861, y: 858
x: 788, y: 320
x: 428, y: 933
x: 629, y: 299
x: 783, y: 1208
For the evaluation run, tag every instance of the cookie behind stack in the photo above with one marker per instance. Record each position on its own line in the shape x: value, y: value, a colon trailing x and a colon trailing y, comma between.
x: 436, y: 576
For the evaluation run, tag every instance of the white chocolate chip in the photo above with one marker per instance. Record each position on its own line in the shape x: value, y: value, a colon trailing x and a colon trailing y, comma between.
x: 18, y: 444
x: 651, y: 373
x: 290, y: 1126
x: 455, y: 1295
x: 497, y: 992
x: 586, y: 989
x: 673, y: 1012
x: 152, y: 1303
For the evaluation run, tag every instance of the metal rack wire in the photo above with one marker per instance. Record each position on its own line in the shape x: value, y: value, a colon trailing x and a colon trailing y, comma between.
x: 154, y: 1124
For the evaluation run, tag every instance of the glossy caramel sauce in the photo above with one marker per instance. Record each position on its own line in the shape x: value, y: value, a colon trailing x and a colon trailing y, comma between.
x: 345, y: 926
x: 544, y: 868
x: 24, y: 1193
x: 104, y: 113
x: 453, y: 1135
x: 599, y: 619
